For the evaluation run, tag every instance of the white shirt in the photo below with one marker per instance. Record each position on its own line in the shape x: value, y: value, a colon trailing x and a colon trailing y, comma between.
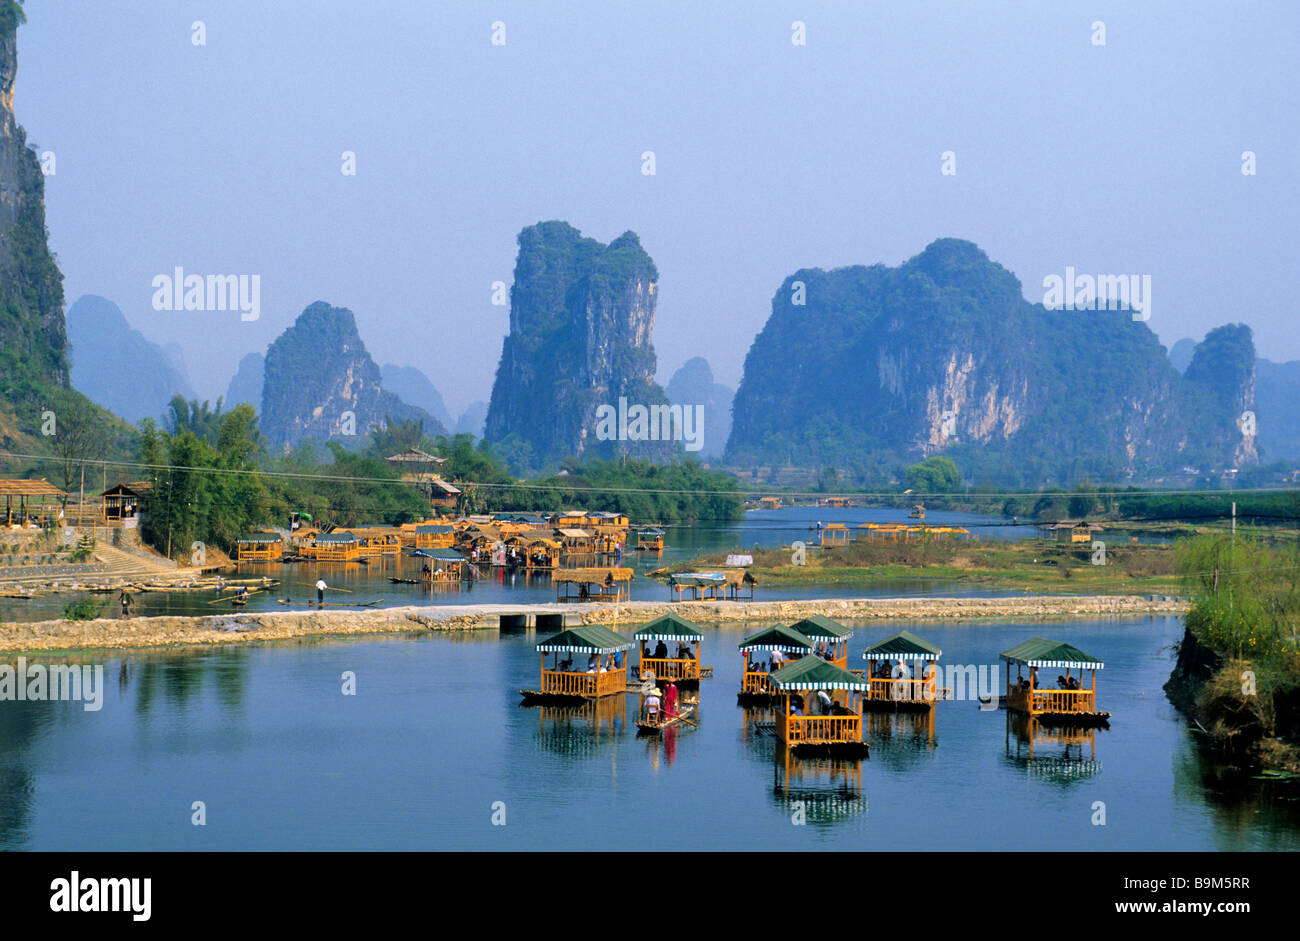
x: 320, y: 585
x: 777, y: 657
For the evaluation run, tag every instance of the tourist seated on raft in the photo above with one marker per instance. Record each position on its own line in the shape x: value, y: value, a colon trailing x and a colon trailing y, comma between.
x: 684, y: 652
x: 824, y: 699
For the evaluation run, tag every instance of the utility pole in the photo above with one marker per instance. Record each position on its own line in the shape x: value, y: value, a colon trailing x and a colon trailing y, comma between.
x: 1234, y: 521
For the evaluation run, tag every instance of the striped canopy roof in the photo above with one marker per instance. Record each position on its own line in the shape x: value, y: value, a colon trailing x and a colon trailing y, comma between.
x: 812, y: 672
x: 780, y: 637
x: 1041, y: 652
x: 337, y: 537
x: 670, y: 627
x: 436, y: 529
x: 902, y: 646
x: 821, y: 626
x: 589, y: 638
x: 260, y: 537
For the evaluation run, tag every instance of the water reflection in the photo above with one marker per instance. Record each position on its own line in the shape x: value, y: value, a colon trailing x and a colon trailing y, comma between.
x: 1062, y: 754
x: 819, y: 791
x: 901, y: 739
x: 579, y: 731
x: 178, y: 679
x: 1249, y: 813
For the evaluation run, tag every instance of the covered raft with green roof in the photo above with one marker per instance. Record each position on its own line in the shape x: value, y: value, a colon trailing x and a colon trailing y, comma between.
x: 1068, y: 699
x: 669, y: 649
x: 830, y: 637
x: 764, y: 652
x: 903, y: 673
x: 595, y: 664
x: 820, y: 707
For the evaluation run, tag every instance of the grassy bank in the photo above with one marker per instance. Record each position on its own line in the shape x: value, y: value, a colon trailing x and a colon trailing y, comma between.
x: 1028, y: 565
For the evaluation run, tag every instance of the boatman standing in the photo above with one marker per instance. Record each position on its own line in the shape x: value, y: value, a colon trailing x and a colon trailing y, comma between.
x: 320, y: 590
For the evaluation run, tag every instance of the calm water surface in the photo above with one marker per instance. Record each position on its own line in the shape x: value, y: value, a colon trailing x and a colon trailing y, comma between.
x: 435, y: 735
x: 370, y: 583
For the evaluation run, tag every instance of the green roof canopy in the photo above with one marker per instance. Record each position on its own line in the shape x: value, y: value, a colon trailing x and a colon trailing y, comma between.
x: 902, y: 646
x: 670, y: 627
x: 812, y: 672
x: 781, y: 637
x: 1041, y: 652
x: 821, y: 626
x: 589, y: 638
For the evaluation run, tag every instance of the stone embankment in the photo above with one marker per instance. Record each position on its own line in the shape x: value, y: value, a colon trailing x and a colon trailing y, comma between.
x: 285, y: 625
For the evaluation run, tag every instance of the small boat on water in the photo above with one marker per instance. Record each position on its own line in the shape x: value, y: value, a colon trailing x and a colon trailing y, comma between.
x: 603, y: 674
x: 684, y: 717
x: 1070, y: 703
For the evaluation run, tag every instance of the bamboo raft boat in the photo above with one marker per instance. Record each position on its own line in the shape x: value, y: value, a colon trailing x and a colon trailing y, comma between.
x: 654, y: 728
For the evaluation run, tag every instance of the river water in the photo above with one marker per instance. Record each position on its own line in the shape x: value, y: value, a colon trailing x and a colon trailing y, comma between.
x: 434, y: 743
x: 370, y: 583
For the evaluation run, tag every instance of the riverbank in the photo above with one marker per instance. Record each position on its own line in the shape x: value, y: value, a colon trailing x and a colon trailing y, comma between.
x: 286, y: 625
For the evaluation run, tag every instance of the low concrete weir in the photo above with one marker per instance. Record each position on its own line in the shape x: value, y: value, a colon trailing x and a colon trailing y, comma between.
x: 277, y: 625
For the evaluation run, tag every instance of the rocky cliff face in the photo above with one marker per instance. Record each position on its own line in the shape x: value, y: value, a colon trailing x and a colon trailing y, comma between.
x: 33, y: 341
x: 581, y: 315
x: 246, y: 384
x: 944, y: 355
x: 320, y: 383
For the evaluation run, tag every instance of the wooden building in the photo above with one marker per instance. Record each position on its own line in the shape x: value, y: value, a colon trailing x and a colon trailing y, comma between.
x: 596, y: 664
x: 592, y: 584
x: 36, y: 501
x: 834, y: 534
x: 820, y: 706
x: 758, y: 649
x: 575, y: 541
x: 124, y: 501
x: 915, y: 683
x: 840, y: 502
x: 650, y: 539
x: 442, y: 566
x: 769, y: 503
x: 699, y: 586
x: 681, y: 660
x: 433, y: 536
x: 1068, y: 700
x: 333, y: 547
x: 830, y: 638
x: 259, y: 547
x: 740, y: 584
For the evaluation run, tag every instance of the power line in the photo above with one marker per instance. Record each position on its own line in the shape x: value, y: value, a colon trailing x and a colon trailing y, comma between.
x: 582, y: 485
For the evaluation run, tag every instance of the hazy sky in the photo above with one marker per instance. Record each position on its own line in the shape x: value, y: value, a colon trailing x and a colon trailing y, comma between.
x: 225, y: 158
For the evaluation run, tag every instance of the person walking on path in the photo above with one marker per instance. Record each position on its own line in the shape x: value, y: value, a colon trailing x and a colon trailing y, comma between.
x: 320, y: 590
x: 126, y: 601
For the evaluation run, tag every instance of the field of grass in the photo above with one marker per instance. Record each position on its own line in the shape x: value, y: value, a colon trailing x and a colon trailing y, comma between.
x: 1030, y: 565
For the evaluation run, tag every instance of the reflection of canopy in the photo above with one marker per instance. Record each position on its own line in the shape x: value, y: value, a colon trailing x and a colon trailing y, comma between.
x: 670, y: 627
x: 1040, y: 652
x: 902, y: 646
x: 781, y: 637
x: 589, y: 638
x: 813, y: 672
x: 821, y: 626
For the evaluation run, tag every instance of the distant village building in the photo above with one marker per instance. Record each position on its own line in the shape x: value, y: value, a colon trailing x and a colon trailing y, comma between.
x: 124, y: 501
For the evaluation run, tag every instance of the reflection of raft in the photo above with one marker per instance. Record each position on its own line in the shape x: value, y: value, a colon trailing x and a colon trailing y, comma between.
x: 534, y: 696
x: 403, y: 581
x: 654, y: 728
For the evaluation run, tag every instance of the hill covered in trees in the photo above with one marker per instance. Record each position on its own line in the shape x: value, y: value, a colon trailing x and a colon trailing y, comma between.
x: 864, y: 367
